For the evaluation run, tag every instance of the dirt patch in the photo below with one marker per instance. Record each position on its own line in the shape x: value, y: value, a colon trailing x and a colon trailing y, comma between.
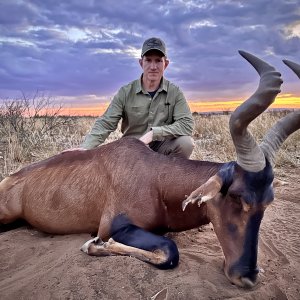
x: 34, y: 265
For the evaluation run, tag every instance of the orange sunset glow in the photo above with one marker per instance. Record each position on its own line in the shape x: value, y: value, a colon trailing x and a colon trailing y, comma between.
x: 284, y: 101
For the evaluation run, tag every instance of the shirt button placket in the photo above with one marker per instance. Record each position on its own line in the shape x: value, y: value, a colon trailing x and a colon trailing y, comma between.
x: 150, y: 118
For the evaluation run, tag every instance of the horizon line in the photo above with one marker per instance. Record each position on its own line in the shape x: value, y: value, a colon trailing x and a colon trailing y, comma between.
x: 283, y: 103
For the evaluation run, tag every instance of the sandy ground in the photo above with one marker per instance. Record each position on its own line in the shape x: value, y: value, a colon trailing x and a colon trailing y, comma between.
x: 34, y: 265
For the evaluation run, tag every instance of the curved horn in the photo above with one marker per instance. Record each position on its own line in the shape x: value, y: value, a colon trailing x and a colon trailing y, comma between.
x: 275, y: 137
x: 249, y: 155
x: 292, y: 65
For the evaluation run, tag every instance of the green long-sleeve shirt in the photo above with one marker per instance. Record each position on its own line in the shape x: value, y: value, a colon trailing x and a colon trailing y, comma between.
x: 167, y: 114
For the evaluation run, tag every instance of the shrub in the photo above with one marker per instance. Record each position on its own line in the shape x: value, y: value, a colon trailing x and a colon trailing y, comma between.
x: 28, y: 127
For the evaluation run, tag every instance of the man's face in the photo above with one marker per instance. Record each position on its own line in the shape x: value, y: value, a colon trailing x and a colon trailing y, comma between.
x: 153, y: 65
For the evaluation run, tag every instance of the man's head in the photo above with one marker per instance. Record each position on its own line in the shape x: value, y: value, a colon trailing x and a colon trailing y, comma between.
x: 154, y: 60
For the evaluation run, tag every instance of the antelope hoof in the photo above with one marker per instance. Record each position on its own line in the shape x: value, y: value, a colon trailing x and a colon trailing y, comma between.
x: 192, y: 200
x: 85, y: 246
x: 185, y: 203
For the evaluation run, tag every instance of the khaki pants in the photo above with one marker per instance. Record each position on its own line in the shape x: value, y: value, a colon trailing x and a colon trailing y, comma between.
x: 182, y: 146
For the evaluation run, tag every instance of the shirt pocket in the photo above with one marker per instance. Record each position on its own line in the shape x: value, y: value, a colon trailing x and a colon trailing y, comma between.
x: 137, y: 115
x: 165, y: 113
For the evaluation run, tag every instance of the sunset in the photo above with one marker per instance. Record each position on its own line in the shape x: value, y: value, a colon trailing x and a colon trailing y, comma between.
x: 282, y: 102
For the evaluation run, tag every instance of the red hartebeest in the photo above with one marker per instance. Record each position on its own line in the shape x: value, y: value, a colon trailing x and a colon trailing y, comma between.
x: 125, y: 191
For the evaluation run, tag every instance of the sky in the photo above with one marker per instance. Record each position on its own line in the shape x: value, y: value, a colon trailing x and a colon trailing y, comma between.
x: 80, y: 52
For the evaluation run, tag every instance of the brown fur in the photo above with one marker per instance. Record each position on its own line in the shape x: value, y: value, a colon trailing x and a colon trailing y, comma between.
x: 71, y: 192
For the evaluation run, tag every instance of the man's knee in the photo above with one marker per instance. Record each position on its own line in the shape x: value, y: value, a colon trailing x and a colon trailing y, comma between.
x: 184, y: 146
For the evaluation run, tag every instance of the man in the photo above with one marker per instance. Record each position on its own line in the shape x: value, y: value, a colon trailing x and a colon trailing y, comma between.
x: 151, y: 108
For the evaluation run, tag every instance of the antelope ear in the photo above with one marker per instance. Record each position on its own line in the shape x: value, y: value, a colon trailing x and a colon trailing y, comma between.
x: 277, y: 183
x: 205, y: 192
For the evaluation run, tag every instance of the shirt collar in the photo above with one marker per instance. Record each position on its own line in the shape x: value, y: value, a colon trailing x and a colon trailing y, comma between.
x: 139, y: 88
x: 162, y: 87
x: 164, y: 84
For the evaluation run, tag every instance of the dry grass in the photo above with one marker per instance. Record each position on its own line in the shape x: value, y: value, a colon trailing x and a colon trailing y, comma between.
x: 17, y: 150
x: 25, y: 139
x: 213, y: 141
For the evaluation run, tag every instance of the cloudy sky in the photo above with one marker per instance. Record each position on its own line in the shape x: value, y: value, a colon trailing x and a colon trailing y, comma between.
x: 80, y: 52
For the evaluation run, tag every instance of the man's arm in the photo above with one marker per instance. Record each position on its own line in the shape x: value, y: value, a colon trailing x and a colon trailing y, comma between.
x: 105, y: 124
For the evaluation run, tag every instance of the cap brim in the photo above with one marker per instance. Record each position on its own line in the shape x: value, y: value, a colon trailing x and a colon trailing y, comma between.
x: 156, y: 49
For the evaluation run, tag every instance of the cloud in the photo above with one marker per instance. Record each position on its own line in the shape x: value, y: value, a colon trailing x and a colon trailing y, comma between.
x: 76, y: 48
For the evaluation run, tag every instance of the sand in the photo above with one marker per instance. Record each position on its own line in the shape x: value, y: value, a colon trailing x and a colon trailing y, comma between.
x: 34, y: 265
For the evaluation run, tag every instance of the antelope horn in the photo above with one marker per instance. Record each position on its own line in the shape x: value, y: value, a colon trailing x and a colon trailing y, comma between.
x: 275, y: 137
x: 292, y: 65
x: 249, y: 155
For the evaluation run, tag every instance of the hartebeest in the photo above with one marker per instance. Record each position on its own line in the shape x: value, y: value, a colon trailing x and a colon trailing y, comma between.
x: 126, y: 192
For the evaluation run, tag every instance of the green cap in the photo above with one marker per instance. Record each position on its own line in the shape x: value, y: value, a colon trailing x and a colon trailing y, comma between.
x: 154, y: 44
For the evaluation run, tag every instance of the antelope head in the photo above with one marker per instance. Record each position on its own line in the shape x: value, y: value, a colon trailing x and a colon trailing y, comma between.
x: 237, y: 196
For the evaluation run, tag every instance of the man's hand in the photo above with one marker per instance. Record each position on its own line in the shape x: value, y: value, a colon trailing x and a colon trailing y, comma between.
x: 147, y: 138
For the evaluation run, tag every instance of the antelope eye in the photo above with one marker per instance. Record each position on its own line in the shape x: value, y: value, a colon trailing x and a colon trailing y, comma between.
x: 236, y: 199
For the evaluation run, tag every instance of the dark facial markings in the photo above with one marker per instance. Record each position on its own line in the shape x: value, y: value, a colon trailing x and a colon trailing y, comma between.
x: 259, y: 186
x: 232, y: 228
x: 226, y: 174
x: 254, y: 188
x: 246, y: 266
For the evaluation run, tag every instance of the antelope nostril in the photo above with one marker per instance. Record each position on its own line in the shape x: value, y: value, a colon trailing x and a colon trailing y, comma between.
x: 254, y: 271
x: 249, y: 280
x: 251, y: 275
x: 247, y: 283
x: 243, y: 276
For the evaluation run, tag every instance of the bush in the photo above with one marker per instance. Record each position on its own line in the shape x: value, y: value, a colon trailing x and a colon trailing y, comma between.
x: 28, y: 127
